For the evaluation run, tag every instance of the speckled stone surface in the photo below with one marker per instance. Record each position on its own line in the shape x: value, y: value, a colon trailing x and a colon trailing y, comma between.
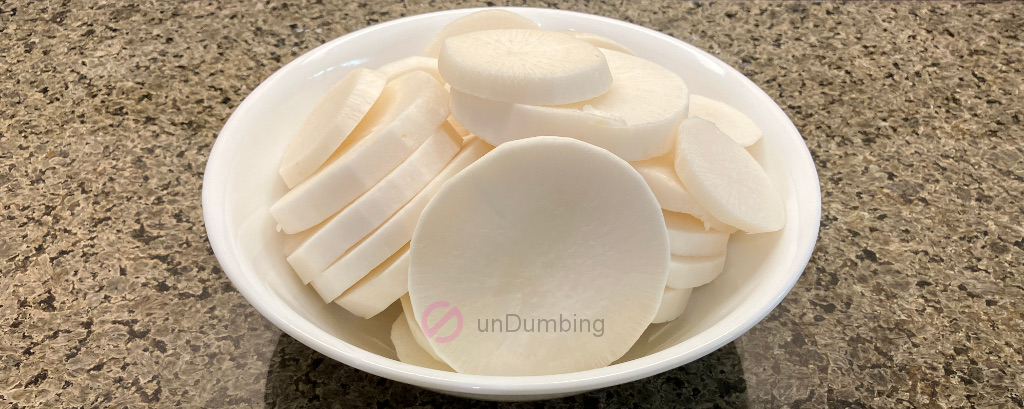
x: 111, y: 297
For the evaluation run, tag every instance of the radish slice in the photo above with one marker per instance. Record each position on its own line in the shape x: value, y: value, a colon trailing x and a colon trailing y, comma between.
x: 673, y: 303
x: 393, y: 234
x: 374, y: 207
x: 725, y: 180
x: 417, y: 330
x: 401, y: 67
x: 405, y: 115
x: 525, y: 66
x: 329, y: 123
x: 479, y: 21
x: 687, y: 236
x: 379, y: 289
x: 409, y: 351
x: 672, y: 195
x: 729, y: 120
x: 599, y: 42
x: 689, y: 272
x: 544, y: 228
x: 636, y: 119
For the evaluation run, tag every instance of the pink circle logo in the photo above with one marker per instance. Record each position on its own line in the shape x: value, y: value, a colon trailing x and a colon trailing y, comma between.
x: 431, y: 331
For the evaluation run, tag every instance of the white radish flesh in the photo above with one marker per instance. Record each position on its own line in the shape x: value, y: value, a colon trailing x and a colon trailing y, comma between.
x: 416, y: 327
x: 401, y: 67
x: 599, y: 42
x: 636, y: 119
x: 660, y: 175
x: 689, y: 272
x: 729, y: 120
x: 687, y: 236
x: 370, y: 210
x: 379, y: 289
x: 673, y: 304
x: 409, y: 351
x: 405, y: 115
x: 329, y: 123
x: 393, y: 234
x: 533, y: 67
x: 541, y: 227
x: 725, y: 180
x: 479, y: 21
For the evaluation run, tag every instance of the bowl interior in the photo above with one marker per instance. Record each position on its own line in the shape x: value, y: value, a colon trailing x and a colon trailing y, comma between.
x: 242, y: 182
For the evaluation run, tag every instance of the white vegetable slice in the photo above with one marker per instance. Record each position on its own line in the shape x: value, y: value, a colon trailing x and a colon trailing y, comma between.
x: 533, y: 67
x: 393, y: 234
x: 417, y: 330
x: 479, y: 21
x: 725, y: 180
x: 409, y: 351
x: 660, y: 175
x: 599, y: 42
x: 374, y: 207
x: 636, y: 119
x: 461, y: 130
x: 739, y: 127
x: 329, y: 123
x: 401, y: 67
x: 379, y: 289
x: 687, y: 236
x: 673, y: 303
x: 689, y: 272
x: 544, y: 228
x: 407, y: 112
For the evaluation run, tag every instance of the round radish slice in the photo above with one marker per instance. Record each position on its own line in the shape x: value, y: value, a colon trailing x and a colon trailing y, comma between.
x: 329, y: 123
x: 556, y: 236
x: 379, y: 289
x: 725, y: 180
x: 415, y: 326
x: 673, y: 303
x: 408, y: 111
x: 525, y: 66
x: 479, y: 21
x: 415, y: 63
x: 687, y: 236
x: 672, y: 195
x: 739, y: 127
x: 636, y: 119
x: 410, y: 352
x: 690, y: 272
x: 599, y: 42
x: 335, y: 236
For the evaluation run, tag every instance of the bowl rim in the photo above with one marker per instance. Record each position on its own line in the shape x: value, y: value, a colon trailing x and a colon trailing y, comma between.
x: 213, y: 199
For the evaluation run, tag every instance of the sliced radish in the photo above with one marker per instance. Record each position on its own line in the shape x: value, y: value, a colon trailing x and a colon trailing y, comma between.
x: 409, y: 351
x: 739, y: 127
x: 636, y: 119
x: 599, y: 42
x: 541, y: 227
x: 408, y: 111
x: 689, y: 272
x: 329, y: 123
x: 417, y: 329
x: 374, y: 207
x: 379, y: 289
x: 401, y: 67
x: 524, y: 66
x: 479, y: 21
x: 673, y: 303
x: 687, y: 236
x: 393, y: 234
x: 660, y: 175
x: 725, y: 180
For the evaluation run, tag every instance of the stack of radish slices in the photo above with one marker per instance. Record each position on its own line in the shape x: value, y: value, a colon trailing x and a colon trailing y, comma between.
x: 535, y: 199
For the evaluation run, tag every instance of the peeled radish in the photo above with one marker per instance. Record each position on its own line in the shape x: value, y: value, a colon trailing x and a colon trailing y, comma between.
x: 725, y: 180
x: 329, y: 123
x: 393, y: 234
x: 599, y: 42
x: 687, y: 236
x: 729, y: 120
x: 673, y: 303
x: 524, y: 66
x: 415, y: 63
x: 689, y: 272
x: 481, y: 20
x: 409, y: 351
x: 379, y: 289
x: 409, y: 109
x: 636, y: 119
x: 660, y: 175
x: 543, y: 228
x: 417, y: 329
x: 370, y: 210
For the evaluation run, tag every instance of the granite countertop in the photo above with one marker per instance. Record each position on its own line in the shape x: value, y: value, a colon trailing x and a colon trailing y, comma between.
x: 111, y: 297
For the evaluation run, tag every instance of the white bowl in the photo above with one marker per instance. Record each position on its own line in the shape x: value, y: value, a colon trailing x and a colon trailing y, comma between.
x: 241, y: 182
